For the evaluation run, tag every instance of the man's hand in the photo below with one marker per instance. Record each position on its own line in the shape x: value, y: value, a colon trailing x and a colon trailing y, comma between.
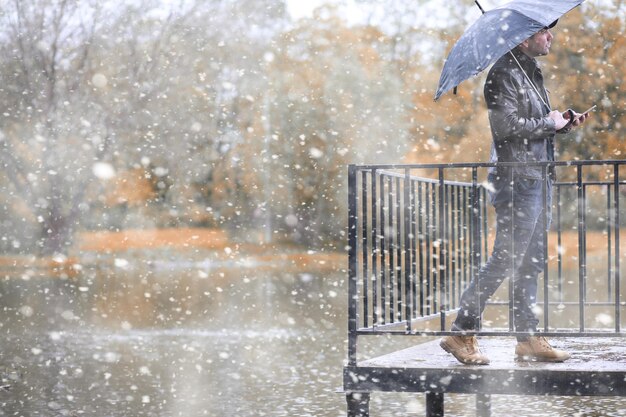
x: 559, y: 120
x: 562, y: 120
x: 579, y: 118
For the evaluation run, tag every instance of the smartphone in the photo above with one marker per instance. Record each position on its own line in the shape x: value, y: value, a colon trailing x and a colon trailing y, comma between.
x: 586, y: 111
x: 589, y: 109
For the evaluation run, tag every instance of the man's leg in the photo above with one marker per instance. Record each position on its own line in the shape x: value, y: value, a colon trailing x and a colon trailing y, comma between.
x: 508, y: 255
x: 525, y: 280
x: 498, y: 267
x: 534, y: 348
x: 525, y: 283
x: 517, y: 208
x: 485, y: 283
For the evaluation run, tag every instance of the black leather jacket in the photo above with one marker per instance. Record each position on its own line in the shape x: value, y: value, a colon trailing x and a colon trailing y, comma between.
x: 520, y: 126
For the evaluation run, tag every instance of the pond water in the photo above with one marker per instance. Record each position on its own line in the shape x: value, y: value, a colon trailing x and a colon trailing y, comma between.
x: 173, y: 338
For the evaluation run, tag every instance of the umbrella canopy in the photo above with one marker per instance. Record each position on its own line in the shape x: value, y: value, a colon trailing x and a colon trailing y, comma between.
x: 495, y: 33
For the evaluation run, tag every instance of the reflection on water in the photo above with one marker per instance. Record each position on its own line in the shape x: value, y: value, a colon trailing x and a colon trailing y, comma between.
x: 125, y: 340
x: 128, y: 341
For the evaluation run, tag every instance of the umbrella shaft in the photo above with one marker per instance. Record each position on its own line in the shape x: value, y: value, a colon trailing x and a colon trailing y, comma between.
x: 479, y: 6
x: 532, y: 84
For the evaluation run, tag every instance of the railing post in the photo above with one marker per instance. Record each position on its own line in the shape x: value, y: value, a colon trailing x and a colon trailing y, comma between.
x: 389, y: 231
x: 434, y: 404
x: 352, y: 265
x: 422, y: 244
x: 443, y: 253
x: 559, y: 244
x: 581, y: 248
x: 483, y: 405
x: 475, y: 237
x: 358, y: 404
x: 398, y: 265
x: 617, y: 248
x: 383, y: 249
x: 428, y: 232
x: 546, y: 289
x: 609, y: 249
x: 364, y: 247
x: 374, y: 238
x: 408, y: 276
x: 511, y: 246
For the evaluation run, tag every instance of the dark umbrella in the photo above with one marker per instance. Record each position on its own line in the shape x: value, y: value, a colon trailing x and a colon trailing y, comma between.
x: 495, y: 33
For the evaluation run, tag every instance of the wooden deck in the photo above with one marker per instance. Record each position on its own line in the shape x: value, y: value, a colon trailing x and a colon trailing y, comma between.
x: 597, y: 368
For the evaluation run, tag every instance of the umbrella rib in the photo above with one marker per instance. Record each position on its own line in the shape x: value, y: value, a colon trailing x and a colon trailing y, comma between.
x: 520, y: 67
x: 528, y: 16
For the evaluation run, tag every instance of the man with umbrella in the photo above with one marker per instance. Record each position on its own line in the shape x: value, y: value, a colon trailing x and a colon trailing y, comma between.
x: 523, y: 127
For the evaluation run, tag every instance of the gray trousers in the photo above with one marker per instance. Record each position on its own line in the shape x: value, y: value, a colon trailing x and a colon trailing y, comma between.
x: 518, y: 251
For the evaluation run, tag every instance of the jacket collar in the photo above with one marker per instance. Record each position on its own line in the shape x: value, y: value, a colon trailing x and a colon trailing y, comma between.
x: 529, y: 64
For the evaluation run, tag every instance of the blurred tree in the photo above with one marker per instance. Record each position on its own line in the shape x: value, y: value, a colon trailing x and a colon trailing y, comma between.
x: 190, y: 81
x: 46, y: 46
x: 133, y: 87
x: 228, y: 114
x: 455, y: 128
x: 332, y: 100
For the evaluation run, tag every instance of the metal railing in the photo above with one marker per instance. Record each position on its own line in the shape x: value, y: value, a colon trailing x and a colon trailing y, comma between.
x: 418, y: 234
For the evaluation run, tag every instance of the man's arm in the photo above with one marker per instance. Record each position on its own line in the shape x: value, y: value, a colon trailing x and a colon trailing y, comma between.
x: 501, y: 95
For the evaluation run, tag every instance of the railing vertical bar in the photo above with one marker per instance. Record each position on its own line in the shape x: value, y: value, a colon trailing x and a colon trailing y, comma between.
x: 414, y: 241
x: 559, y: 247
x: 391, y: 246
x: 581, y: 249
x: 546, y: 277
x: 512, y: 251
x: 422, y: 243
x: 399, y: 247
x: 447, y: 242
x: 485, y: 227
x: 585, y: 187
x: 617, y: 247
x: 461, y: 243
x: 453, y: 273
x: 374, y: 239
x: 609, y: 249
x: 442, y: 251
x: 407, y: 249
x: 433, y: 254
x: 475, y: 238
x: 383, y: 250
x: 352, y: 265
x: 467, y: 260
x: 427, y: 232
x: 364, y: 247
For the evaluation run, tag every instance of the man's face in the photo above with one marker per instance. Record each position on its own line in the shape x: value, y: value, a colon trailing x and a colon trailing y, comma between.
x: 539, y: 44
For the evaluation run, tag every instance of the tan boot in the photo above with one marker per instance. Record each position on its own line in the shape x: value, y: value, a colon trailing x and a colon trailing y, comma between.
x: 537, y: 348
x: 464, y: 349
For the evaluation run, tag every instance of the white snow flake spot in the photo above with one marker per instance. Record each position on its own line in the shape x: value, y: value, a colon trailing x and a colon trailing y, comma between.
x: 316, y: 153
x: 99, y: 80
x: 103, y: 170
x: 121, y: 263
x: 604, y: 319
x: 26, y: 311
